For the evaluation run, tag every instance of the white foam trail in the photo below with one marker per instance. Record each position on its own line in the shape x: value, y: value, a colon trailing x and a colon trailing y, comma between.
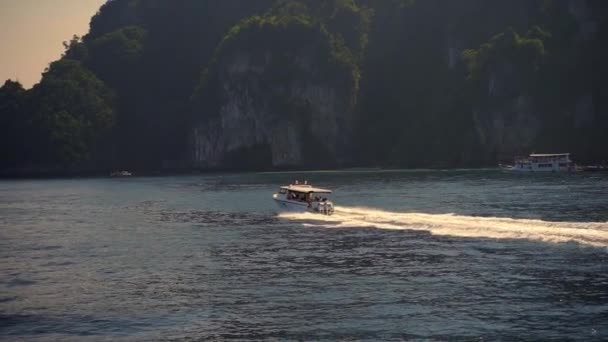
x: 588, y: 233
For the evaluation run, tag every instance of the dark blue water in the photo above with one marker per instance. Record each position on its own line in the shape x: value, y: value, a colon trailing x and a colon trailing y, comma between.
x: 408, y: 255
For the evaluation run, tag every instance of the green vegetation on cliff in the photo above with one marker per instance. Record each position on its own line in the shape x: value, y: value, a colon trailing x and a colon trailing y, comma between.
x: 289, y: 32
x: 63, y: 120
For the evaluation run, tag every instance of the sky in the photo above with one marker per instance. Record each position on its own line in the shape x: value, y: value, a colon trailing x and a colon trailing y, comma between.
x: 32, y: 33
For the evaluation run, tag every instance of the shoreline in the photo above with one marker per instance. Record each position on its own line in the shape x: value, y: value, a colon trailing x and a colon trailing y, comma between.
x: 71, y: 174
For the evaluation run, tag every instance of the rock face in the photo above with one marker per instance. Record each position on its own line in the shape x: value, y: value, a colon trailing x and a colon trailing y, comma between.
x: 506, y: 120
x: 276, y: 109
x: 508, y: 130
x: 583, y: 14
x: 515, y: 115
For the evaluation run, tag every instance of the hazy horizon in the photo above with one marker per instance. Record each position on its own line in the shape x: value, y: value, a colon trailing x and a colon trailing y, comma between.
x: 34, y: 31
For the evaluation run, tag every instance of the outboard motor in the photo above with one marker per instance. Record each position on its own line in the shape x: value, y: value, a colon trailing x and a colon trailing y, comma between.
x: 325, y: 207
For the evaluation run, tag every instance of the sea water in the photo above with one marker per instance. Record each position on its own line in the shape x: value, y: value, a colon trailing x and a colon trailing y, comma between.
x: 462, y: 254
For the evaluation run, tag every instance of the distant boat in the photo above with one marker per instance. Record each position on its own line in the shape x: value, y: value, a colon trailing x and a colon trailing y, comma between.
x: 121, y: 174
x: 595, y: 168
x: 304, y: 198
x: 556, y: 162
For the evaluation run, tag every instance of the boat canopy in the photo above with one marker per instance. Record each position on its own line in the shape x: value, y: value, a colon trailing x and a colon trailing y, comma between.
x: 305, y: 189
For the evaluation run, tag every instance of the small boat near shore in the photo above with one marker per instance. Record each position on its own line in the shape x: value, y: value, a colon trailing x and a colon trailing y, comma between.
x: 121, y: 174
x: 595, y: 168
x: 304, y: 198
x: 536, y: 162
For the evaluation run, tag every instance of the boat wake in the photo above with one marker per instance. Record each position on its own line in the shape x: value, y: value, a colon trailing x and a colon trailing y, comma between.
x: 588, y: 233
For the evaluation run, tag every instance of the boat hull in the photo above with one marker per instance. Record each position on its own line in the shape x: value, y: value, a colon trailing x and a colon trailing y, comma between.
x: 291, y: 206
x: 535, y: 169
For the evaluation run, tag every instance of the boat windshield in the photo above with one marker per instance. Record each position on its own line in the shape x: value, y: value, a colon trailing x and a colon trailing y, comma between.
x: 322, y: 197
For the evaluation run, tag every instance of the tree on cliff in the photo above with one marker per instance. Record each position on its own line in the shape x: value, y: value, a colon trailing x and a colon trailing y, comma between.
x: 71, y: 114
x: 13, y: 124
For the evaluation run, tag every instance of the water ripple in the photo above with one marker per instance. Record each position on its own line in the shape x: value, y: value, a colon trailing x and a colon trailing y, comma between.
x: 207, y: 258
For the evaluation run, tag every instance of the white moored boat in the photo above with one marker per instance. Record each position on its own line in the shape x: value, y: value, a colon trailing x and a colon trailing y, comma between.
x: 303, y: 198
x: 557, y: 162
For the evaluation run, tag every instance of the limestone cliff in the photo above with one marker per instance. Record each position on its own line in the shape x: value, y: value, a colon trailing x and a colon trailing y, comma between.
x: 276, y: 105
x: 535, y: 90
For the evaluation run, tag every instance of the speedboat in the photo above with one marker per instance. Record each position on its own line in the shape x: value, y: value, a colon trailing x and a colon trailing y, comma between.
x: 558, y: 162
x: 304, y: 198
